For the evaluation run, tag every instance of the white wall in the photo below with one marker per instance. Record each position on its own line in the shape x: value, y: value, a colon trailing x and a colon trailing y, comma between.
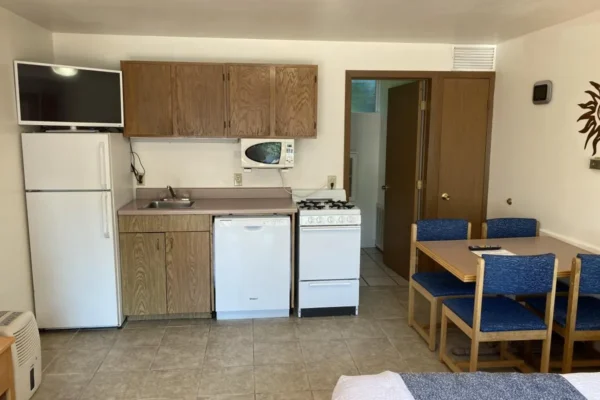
x: 213, y: 164
x: 538, y: 158
x: 365, y: 130
x: 22, y: 40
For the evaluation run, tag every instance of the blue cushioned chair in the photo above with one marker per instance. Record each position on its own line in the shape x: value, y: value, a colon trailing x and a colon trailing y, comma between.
x: 435, y: 286
x: 501, y: 319
x: 577, y: 318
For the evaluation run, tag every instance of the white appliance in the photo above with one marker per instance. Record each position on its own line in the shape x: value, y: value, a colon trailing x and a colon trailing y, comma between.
x: 74, y: 183
x: 26, y: 351
x: 267, y: 153
x: 328, y: 253
x: 252, y: 261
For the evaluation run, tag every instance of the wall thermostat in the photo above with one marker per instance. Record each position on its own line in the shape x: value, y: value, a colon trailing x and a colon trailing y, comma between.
x: 542, y: 92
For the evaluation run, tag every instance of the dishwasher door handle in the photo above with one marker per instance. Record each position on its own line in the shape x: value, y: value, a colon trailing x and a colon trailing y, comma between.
x: 330, y: 284
x: 254, y: 228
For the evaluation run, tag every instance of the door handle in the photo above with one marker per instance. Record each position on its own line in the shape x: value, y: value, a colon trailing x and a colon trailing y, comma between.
x: 102, y: 152
x: 105, y: 216
x: 385, y: 187
x: 446, y: 196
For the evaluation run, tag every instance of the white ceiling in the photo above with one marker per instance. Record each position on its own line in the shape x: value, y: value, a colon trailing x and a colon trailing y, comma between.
x: 443, y: 21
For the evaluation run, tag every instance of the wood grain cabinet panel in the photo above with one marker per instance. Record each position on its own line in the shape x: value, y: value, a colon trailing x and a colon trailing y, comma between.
x: 199, y: 100
x: 295, y: 101
x: 249, y: 100
x: 143, y: 276
x: 147, y: 99
x: 164, y: 223
x: 188, y: 272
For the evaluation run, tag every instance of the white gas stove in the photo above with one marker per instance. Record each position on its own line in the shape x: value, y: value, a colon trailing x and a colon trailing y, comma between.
x: 328, y: 253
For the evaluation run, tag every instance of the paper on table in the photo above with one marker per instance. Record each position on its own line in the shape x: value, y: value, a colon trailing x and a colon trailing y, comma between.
x: 500, y: 252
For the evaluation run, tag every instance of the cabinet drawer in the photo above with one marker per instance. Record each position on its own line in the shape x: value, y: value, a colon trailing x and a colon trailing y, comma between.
x: 320, y: 294
x: 164, y: 223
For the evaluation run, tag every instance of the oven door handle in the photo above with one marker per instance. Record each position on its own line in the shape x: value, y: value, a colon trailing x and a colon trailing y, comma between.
x: 331, y: 228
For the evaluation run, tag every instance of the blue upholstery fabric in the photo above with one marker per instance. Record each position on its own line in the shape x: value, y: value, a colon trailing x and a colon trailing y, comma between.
x: 442, y: 229
x: 518, y: 275
x: 498, y: 314
x: 500, y: 228
x: 441, y: 284
x: 590, y: 274
x: 588, y: 311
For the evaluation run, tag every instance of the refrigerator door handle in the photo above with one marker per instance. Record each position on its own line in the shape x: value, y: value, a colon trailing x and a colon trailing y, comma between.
x: 102, y: 150
x: 105, y: 224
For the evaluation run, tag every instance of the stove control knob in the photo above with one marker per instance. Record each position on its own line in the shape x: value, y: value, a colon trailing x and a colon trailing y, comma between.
x: 310, y: 220
x: 330, y: 220
x: 318, y: 220
x: 341, y: 220
x: 350, y: 219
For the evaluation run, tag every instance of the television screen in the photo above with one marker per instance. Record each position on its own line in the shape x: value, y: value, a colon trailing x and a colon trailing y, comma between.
x: 55, y: 95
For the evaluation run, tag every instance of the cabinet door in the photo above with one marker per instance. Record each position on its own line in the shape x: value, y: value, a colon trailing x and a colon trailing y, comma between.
x: 249, y: 100
x: 188, y: 272
x: 143, y: 273
x: 147, y: 99
x: 199, y: 100
x: 296, y: 101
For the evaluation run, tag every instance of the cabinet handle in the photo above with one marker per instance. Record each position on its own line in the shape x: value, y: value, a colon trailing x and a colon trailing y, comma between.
x: 171, y: 241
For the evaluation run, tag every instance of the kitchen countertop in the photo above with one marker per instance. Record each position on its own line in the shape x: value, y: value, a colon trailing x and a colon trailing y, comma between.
x: 217, y: 206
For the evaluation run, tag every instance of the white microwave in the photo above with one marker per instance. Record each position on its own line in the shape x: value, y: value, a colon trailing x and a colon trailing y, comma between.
x: 267, y: 153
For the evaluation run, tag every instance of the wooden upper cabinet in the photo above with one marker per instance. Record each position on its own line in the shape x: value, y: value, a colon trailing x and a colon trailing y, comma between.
x: 249, y: 100
x: 199, y: 100
x: 147, y: 99
x: 295, y: 101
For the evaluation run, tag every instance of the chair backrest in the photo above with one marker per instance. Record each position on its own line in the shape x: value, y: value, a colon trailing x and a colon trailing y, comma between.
x: 589, y: 281
x: 500, y: 228
x: 516, y: 275
x: 443, y: 229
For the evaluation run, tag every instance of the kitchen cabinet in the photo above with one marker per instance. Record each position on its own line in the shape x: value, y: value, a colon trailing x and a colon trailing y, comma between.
x: 188, y: 272
x: 165, y: 264
x: 199, y: 100
x: 143, y: 275
x: 295, y: 101
x: 219, y: 100
x: 249, y: 100
x: 147, y: 99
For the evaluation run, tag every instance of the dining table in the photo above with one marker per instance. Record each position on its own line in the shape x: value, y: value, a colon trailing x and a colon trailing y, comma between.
x: 455, y: 256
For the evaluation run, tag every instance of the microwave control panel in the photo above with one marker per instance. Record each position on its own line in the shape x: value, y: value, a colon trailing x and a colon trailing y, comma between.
x: 289, y: 154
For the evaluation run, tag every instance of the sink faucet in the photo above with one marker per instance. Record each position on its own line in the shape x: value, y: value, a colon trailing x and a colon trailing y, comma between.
x: 172, y: 192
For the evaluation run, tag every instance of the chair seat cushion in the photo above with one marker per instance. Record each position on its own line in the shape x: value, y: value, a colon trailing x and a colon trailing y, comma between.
x: 588, y: 311
x: 498, y: 314
x: 441, y: 284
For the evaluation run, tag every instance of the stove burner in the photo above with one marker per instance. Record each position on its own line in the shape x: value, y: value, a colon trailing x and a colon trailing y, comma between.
x: 325, y: 204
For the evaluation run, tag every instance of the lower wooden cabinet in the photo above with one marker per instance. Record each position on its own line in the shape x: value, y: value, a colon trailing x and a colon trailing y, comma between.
x: 188, y: 272
x: 165, y: 273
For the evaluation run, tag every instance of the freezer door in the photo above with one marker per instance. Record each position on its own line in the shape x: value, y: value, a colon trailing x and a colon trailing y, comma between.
x: 73, y: 259
x: 66, y: 161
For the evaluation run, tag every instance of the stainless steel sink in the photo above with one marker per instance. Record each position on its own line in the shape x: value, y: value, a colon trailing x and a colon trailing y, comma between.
x: 170, y: 204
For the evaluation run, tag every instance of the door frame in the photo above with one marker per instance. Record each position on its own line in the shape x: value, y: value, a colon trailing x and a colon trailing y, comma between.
x: 433, y: 127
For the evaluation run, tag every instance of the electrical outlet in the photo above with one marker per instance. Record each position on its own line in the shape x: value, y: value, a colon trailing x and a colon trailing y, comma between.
x: 331, y: 182
x: 237, y: 179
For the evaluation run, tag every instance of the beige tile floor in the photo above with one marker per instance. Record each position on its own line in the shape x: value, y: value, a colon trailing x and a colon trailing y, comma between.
x: 253, y: 359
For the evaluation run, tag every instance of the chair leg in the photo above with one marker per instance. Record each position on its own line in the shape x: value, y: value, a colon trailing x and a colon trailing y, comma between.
x: 545, y: 364
x: 433, y: 324
x: 411, y: 304
x: 503, y: 350
x: 474, y: 355
x: 567, y: 364
x: 444, y: 335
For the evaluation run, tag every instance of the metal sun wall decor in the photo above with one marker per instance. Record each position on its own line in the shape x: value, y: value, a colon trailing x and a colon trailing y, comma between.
x: 592, y: 116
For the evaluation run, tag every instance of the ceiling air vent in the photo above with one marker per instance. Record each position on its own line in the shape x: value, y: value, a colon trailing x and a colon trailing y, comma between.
x: 474, y: 58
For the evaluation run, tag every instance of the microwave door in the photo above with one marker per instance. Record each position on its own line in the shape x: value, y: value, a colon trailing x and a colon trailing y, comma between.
x: 264, y: 153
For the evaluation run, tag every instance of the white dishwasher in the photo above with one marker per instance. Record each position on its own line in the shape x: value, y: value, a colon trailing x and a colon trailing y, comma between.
x: 252, y: 259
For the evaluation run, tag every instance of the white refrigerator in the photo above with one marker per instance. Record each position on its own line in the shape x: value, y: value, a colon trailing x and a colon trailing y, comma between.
x: 74, y: 183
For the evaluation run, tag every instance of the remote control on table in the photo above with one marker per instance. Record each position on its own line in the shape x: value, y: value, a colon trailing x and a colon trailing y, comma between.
x: 485, y: 248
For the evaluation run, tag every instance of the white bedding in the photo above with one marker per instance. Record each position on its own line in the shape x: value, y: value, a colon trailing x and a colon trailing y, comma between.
x: 390, y: 386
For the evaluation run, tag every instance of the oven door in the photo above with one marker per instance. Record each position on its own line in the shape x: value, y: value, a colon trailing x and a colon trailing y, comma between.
x: 329, y: 252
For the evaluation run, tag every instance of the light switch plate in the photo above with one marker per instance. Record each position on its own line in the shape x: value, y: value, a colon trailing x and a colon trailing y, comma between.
x: 237, y: 179
x: 331, y: 182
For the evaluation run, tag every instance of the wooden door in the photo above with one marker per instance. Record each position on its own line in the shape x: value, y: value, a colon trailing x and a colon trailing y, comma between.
x: 403, y: 152
x: 143, y: 273
x: 199, y: 100
x: 296, y: 101
x: 463, y: 149
x: 188, y: 272
x: 147, y: 99
x: 249, y: 100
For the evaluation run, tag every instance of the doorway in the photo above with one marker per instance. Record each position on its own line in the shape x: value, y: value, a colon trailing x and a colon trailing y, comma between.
x: 388, y: 128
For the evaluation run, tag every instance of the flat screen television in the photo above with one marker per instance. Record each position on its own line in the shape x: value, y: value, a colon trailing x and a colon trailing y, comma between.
x: 60, y: 95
